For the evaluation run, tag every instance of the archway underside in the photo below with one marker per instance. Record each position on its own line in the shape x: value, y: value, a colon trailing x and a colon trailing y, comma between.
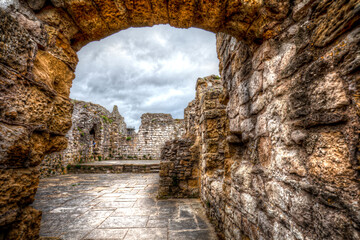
x: 278, y: 145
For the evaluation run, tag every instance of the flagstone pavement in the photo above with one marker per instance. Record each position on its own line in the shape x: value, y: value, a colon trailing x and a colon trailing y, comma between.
x: 117, y: 206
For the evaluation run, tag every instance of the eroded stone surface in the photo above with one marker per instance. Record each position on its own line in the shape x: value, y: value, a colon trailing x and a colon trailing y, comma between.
x: 287, y: 67
x: 116, y: 206
x: 147, y: 142
x: 90, y: 123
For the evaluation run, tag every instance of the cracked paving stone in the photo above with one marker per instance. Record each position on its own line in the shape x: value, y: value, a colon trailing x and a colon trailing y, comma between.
x: 146, y: 234
x: 125, y: 222
x: 182, y: 224
x: 117, y: 206
x: 107, y: 234
x: 192, y: 235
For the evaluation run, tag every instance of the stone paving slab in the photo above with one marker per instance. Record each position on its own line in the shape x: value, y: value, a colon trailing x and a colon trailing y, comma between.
x: 117, y: 206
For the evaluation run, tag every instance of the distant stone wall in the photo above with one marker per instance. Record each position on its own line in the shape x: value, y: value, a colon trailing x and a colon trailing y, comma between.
x: 154, y: 131
x: 90, y: 123
x: 93, y: 123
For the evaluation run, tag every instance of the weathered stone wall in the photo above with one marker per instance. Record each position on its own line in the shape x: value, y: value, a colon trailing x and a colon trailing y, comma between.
x: 179, y: 171
x: 291, y: 78
x: 292, y: 167
x: 154, y: 131
x: 185, y: 162
x: 93, y: 123
x: 90, y: 123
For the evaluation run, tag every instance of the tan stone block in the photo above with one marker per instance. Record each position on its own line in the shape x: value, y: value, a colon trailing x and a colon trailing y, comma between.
x: 59, y: 19
x: 114, y: 14
x: 140, y: 12
x: 14, y: 145
x: 181, y: 14
x: 61, y: 111
x: 87, y: 18
x: 159, y: 15
x: 53, y: 72
x: 210, y: 14
x: 339, y: 16
x: 27, y: 226
x: 264, y: 149
x: 193, y: 183
x: 18, y: 188
x: 330, y: 162
x: 329, y: 93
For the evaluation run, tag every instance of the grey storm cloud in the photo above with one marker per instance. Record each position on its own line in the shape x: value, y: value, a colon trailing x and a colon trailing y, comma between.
x: 145, y: 70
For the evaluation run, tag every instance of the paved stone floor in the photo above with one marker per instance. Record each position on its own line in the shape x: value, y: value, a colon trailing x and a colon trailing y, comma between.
x: 117, y: 206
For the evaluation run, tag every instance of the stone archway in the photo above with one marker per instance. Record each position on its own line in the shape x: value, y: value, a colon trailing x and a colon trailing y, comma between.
x: 290, y: 73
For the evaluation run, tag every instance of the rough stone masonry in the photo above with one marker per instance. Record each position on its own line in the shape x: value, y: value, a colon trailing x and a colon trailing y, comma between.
x: 91, y: 123
x: 96, y: 135
x: 284, y: 161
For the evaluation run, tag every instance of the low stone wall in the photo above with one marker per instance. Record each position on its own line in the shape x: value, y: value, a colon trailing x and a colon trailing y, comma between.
x: 207, y: 123
x: 179, y: 174
x: 114, y: 169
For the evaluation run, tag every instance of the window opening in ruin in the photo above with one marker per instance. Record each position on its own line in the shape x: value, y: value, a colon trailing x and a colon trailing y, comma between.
x: 92, y: 132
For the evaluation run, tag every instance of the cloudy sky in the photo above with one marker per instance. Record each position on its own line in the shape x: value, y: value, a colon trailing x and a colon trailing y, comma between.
x: 145, y: 70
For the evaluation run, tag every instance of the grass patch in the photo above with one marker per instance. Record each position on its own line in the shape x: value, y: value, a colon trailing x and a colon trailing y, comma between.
x: 106, y: 119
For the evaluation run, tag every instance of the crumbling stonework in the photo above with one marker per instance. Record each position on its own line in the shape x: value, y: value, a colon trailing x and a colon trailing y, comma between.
x: 202, y: 151
x: 154, y: 131
x: 290, y: 72
x: 291, y: 169
x: 91, y: 123
x: 179, y: 172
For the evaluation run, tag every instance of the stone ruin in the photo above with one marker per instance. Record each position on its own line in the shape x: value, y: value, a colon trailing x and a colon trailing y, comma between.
x: 278, y: 147
x: 92, y: 123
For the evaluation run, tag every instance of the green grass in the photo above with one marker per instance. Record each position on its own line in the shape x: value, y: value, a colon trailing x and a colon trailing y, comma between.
x: 106, y: 119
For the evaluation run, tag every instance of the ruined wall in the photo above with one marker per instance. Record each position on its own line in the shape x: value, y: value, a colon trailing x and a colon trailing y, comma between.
x: 93, y: 123
x: 179, y: 171
x: 90, y: 123
x: 154, y: 131
x: 185, y: 164
x: 292, y: 167
x: 291, y: 75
